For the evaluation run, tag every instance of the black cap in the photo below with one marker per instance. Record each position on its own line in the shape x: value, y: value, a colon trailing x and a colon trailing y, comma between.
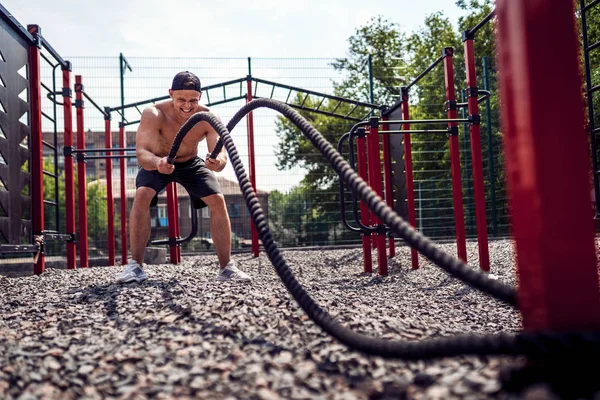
x: 186, y: 81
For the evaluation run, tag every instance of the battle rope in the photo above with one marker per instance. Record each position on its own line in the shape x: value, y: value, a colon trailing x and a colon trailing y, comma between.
x: 533, y: 344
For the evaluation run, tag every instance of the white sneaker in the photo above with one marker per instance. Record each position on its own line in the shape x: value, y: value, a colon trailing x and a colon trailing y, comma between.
x: 133, y: 273
x: 232, y: 273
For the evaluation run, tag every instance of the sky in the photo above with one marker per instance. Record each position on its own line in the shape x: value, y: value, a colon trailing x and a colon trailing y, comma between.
x: 213, y: 28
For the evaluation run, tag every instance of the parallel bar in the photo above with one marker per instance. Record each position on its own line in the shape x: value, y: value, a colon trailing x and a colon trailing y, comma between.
x: 547, y: 166
x: 105, y: 150
x: 442, y: 121
x: 109, y: 157
x: 81, y: 177
x: 436, y: 131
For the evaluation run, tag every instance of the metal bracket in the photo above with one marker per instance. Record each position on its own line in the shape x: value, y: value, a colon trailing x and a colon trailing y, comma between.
x: 451, y: 105
x: 452, y: 131
x: 361, y: 132
x: 79, y: 104
x: 473, y: 91
x: 475, y: 119
x: 67, y: 92
x: 68, y: 151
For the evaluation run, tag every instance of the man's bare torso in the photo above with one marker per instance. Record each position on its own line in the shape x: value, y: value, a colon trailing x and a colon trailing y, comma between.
x: 169, y: 125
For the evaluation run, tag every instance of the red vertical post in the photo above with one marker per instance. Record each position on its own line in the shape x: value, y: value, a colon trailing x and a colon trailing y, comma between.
x: 547, y: 165
x: 459, y: 212
x: 387, y: 174
x: 365, y: 215
x: 250, y: 127
x: 177, y: 231
x: 37, y: 158
x: 374, y: 162
x: 475, y: 128
x: 123, y: 203
x: 171, y: 205
x: 69, y: 167
x: 110, y: 202
x: 81, y: 176
x: 410, y: 187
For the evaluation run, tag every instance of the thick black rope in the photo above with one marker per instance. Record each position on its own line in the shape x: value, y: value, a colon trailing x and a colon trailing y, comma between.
x: 538, y: 344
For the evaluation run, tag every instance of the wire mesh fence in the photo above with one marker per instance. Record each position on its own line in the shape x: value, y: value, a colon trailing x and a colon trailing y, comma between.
x: 114, y: 81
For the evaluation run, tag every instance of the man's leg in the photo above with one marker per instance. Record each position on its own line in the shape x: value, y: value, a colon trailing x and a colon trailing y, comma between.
x: 139, y: 222
x: 220, y: 227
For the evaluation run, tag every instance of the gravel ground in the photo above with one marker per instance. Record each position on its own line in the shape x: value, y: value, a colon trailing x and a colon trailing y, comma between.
x: 181, y: 334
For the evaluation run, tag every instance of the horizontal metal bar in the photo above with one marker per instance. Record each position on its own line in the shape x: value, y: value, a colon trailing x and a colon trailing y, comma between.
x: 141, y: 103
x: 50, y: 203
x: 416, y: 131
x: 94, y: 104
x: 49, y: 145
x: 53, y: 52
x: 105, y: 157
x: 337, y: 98
x: 482, y: 23
x: 592, y: 4
x: 48, y: 117
x: 13, y: 23
x: 594, y: 89
x: 592, y: 47
x: 422, y: 74
x: 53, y: 175
x: 18, y: 248
x: 424, y: 121
x: 103, y: 150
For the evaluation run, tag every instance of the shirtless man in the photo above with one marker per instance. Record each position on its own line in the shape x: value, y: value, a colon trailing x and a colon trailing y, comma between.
x: 158, y: 126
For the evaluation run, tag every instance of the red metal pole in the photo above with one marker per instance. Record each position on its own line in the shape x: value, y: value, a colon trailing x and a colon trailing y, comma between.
x: 173, y: 254
x: 387, y: 173
x: 410, y: 187
x: 481, y: 220
x: 459, y: 213
x: 123, y: 204
x: 177, y: 232
x: 37, y: 158
x: 81, y: 177
x: 110, y: 203
x: 250, y: 127
x: 375, y: 177
x: 547, y: 165
x: 69, y: 168
x: 365, y: 215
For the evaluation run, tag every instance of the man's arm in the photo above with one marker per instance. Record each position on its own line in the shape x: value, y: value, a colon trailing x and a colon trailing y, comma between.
x: 145, y: 138
x: 212, y: 137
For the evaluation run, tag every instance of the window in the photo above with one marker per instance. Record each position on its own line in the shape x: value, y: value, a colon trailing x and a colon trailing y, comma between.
x: 234, y: 210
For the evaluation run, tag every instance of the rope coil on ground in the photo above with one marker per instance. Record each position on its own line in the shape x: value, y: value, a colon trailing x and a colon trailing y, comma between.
x: 535, y: 344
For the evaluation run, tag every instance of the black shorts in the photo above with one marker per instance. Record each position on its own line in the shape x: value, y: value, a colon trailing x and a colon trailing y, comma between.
x: 198, y: 180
